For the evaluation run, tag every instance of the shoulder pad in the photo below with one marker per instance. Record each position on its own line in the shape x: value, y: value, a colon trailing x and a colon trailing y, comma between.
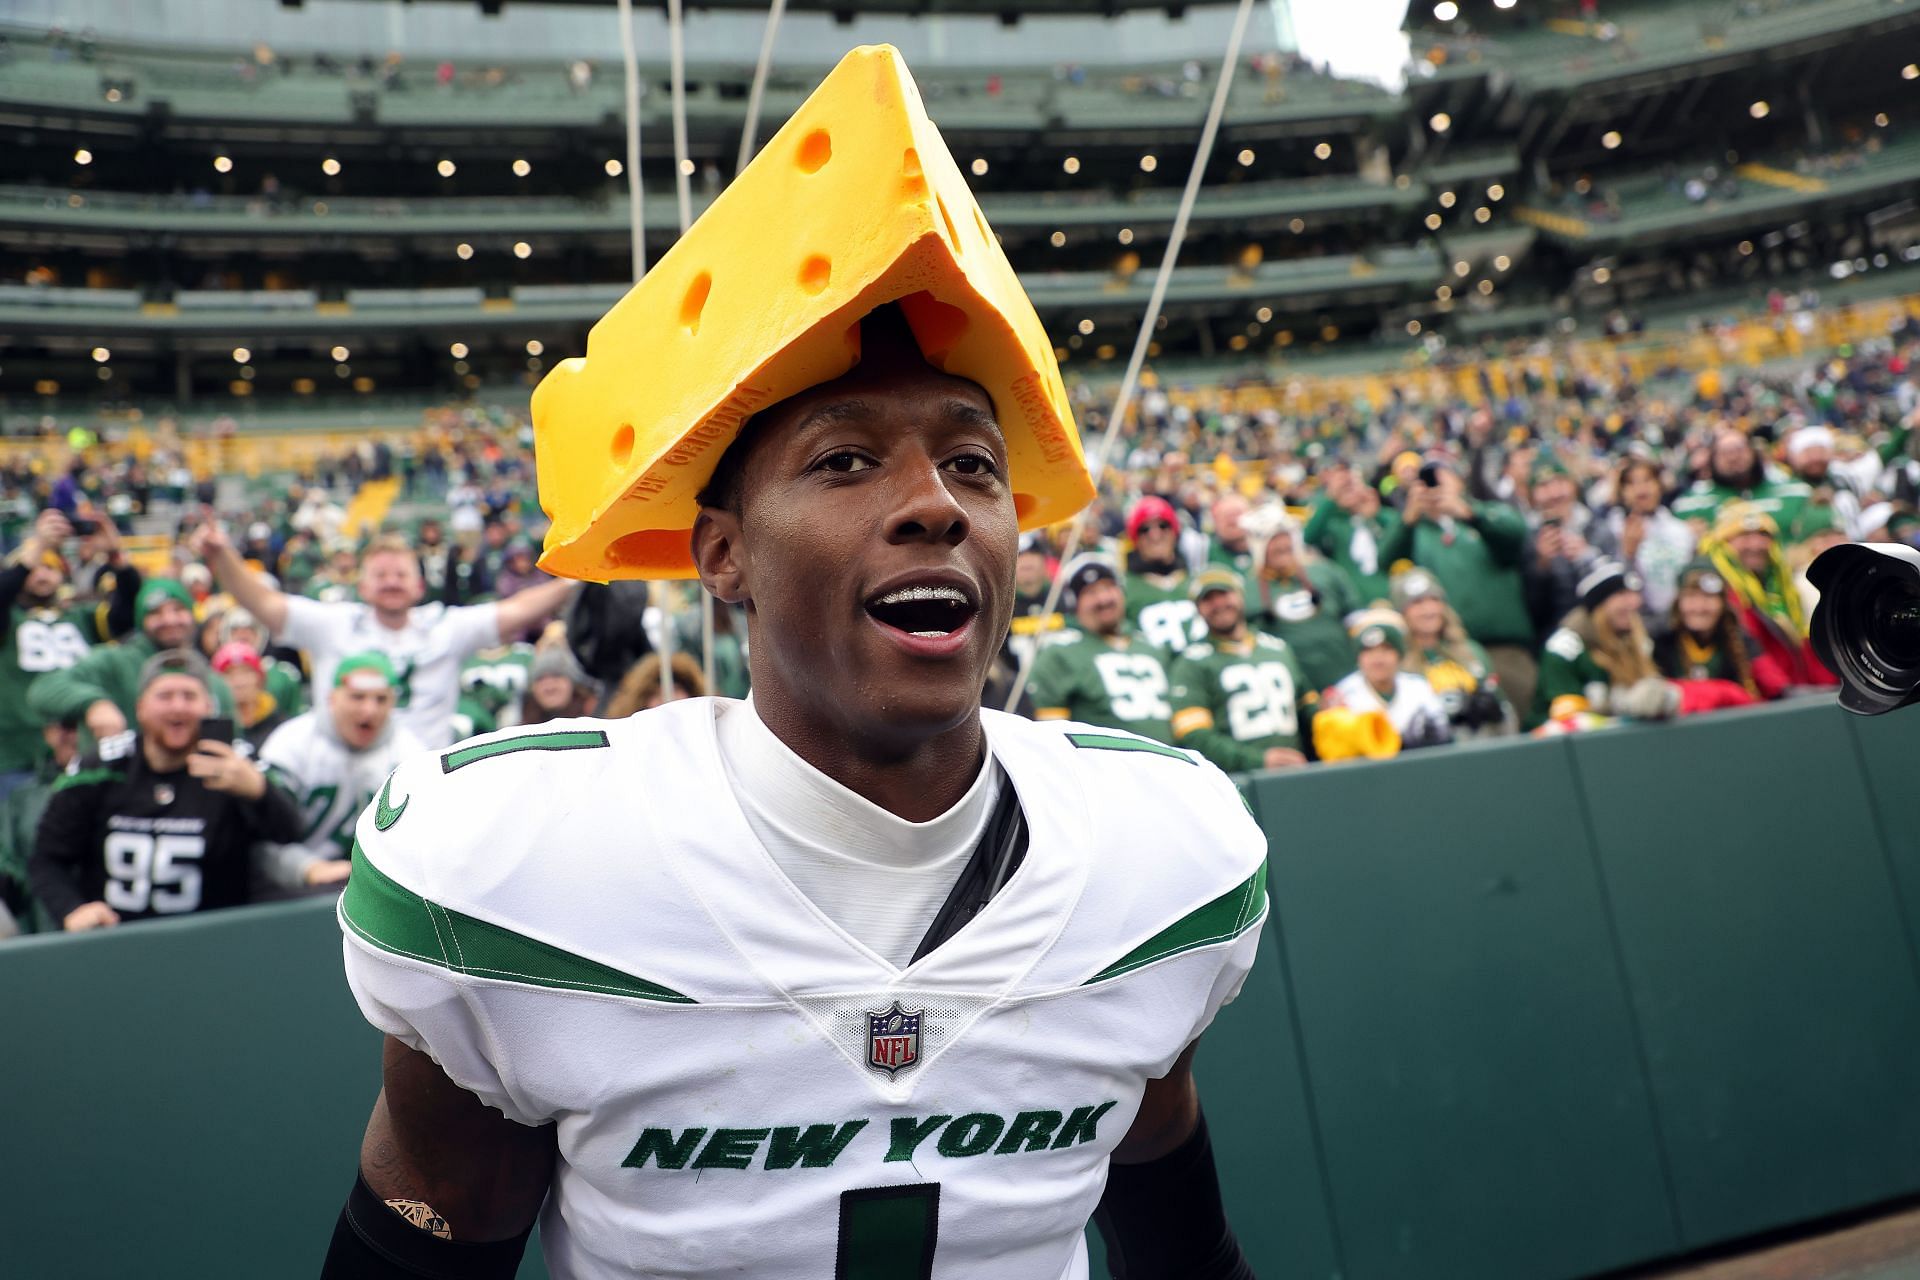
x: 1565, y: 643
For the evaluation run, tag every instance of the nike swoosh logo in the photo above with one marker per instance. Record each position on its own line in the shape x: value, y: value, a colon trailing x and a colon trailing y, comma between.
x: 385, y: 814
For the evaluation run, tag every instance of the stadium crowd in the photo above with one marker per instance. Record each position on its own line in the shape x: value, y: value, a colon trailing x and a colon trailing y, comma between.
x: 1269, y: 587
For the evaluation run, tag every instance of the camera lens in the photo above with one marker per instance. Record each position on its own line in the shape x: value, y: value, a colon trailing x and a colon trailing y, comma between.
x: 1892, y: 615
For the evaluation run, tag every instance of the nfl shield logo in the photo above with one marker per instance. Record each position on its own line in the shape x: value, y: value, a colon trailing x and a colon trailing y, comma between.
x: 893, y: 1039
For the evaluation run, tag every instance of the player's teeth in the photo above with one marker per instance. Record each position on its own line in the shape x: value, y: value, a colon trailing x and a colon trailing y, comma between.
x: 910, y: 595
x: 931, y: 635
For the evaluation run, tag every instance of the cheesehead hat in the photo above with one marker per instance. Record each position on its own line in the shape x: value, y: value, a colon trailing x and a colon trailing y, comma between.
x: 855, y: 203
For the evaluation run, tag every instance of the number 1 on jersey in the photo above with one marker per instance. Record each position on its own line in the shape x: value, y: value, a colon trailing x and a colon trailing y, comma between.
x: 888, y: 1233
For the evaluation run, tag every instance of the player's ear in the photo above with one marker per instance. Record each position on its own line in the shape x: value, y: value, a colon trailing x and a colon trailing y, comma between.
x: 716, y: 554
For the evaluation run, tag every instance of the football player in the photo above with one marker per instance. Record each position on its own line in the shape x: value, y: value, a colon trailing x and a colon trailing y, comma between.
x: 852, y: 979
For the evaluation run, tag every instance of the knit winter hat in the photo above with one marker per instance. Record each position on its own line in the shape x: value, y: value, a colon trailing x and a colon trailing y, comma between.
x: 155, y: 590
x: 176, y: 662
x: 1604, y: 581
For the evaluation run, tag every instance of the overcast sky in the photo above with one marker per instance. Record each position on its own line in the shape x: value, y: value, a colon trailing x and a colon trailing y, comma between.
x: 1358, y: 39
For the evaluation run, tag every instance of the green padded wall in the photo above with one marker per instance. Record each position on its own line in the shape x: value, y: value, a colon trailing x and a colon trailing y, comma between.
x: 1469, y: 1045
x: 183, y: 1099
x: 1769, y: 961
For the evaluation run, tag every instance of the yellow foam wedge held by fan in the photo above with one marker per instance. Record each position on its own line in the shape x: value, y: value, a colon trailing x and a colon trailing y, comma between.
x: 855, y: 203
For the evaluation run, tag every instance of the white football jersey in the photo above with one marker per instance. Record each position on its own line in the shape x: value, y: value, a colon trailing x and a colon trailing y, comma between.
x: 578, y: 925
x: 332, y: 782
x: 426, y: 653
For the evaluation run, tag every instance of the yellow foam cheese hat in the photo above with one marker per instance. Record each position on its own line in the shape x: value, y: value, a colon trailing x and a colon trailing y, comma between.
x: 855, y: 203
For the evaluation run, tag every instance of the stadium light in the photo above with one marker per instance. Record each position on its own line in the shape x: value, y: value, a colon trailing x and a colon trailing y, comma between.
x: 446, y: 168
x: 1610, y: 139
x: 1264, y: 315
x: 614, y: 168
x: 1496, y: 192
x: 1086, y: 326
x: 1446, y: 11
x: 1433, y: 222
x: 1880, y: 120
x: 1746, y: 248
x: 330, y: 167
x: 1444, y: 292
x: 979, y: 166
x: 535, y: 346
x: 463, y: 251
x: 242, y: 356
x: 1504, y: 4
x: 1759, y: 110
x: 1440, y: 122
x: 1126, y: 235
x: 458, y: 351
x: 521, y: 168
x: 1148, y: 163
x: 1446, y: 199
x: 222, y: 164
x: 1502, y: 262
x: 1911, y: 71
x: 1324, y: 151
x: 1245, y: 157
x: 1462, y: 267
x: 83, y: 156
x: 1602, y: 274
x: 1482, y: 214
x: 339, y: 355
x: 1486, y: 288
x: 686, y: 167
x: 1071, y: 164
x: 1413, y: 328
x: 101, y: 355
x: 1057, y: 239
x: 522, y: 250
x: 1297, y: 225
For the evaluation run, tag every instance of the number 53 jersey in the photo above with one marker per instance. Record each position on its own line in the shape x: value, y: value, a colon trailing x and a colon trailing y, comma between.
x: 579, y: 926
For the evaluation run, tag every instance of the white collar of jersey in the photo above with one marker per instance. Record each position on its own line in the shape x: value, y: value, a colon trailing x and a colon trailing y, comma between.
x: 786, y: 792
x: 742, y: 888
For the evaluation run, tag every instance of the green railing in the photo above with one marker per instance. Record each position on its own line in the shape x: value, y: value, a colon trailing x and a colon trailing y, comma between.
x: 1522, y: 1011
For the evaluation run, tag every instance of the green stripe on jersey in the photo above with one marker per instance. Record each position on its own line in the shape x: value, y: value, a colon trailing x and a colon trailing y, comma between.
x: 1119, y: 742
x: 568, y: 740
x: 398, y: 920
x: 1227, y: 916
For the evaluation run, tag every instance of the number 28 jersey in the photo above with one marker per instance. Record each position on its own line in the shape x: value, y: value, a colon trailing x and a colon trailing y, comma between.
x: 740, y: 1087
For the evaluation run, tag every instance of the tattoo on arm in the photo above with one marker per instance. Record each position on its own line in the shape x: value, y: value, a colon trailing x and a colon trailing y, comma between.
x: 420, y: 1214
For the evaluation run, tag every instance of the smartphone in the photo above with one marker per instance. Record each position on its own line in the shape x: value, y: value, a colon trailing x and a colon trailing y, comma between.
x: 83, y: 526
x: 216, y: 729
x: 1430, y: 474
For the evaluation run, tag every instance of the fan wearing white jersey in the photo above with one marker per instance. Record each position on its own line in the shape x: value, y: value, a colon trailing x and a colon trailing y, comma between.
x: 332, y: 759
x: 425, y: 642
x: 853, y: 980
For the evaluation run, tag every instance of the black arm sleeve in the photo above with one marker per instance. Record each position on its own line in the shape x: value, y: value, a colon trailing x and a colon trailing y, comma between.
x: 60, y: 849
x: 275, y: 815
x: 126, y: 588
x: 1163, y: 1220
x: 372, y: 1242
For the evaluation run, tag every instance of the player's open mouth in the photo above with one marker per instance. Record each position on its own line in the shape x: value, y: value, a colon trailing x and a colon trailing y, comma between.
x: 932, y: 618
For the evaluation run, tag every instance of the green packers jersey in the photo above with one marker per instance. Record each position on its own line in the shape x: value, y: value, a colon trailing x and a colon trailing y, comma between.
x: 37, y: 641
x: 1158, y: 610
x: 1119, y: 683
x: 287, y: 684
x: 1568, y: 670
x: 1235, y: 702
x: 496, y: 680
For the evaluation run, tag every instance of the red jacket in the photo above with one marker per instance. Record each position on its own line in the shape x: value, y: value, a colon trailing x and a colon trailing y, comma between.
x: 1781, y: 660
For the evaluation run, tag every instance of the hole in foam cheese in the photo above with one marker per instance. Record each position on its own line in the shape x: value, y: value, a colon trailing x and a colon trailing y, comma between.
x: 850, y: 206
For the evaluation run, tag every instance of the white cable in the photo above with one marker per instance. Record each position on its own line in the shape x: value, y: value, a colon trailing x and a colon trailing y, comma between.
x: 636, y: 222
x: 677, y: 52
x: 750, y: 131
x: 1124, y: 400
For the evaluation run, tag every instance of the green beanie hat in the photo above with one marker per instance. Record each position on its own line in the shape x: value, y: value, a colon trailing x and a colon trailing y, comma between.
x: 369, y: 666
x: 153, y: 591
